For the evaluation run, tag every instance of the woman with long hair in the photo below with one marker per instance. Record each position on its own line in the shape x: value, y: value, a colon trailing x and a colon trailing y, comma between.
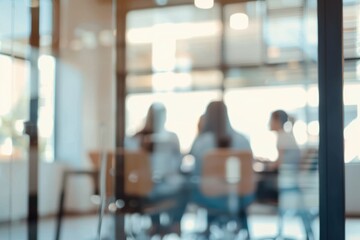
x: 216, y: 132
x: 164, y: 151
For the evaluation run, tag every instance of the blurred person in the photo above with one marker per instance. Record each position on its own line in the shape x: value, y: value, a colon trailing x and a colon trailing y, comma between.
x: 282, y: 172
x: 289, y: 154
x: 287, y: 165
x: 164, y: 149
x: 216, y: 132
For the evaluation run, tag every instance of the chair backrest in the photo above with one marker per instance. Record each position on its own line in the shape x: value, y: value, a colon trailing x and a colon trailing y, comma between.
x: 137, y: 172
x: 215, y: 173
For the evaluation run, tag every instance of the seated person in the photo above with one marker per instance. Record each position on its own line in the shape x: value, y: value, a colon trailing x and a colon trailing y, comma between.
x: 289, y: 155
x: 216, y: 132
x: 163, y: 147
x: 282, y: 172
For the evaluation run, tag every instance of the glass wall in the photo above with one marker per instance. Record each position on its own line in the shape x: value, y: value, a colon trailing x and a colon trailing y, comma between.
x: 351, y: 115
x: 14, y: 110
x: 206, y: 153
x: 63, y: 76
x: 256, y: 57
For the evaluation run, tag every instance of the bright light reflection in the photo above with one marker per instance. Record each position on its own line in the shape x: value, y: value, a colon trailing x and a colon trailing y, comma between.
x: 46, y: 63
x: 7, y: 147
x: 163, y: 49
x: 351, y: 135
x: 19, y: 126
x: 204, y: 4
x: 177, y: 31
x: 183, y: 81
x: 351, y: 96
x: 239, y: 21
x: 168, y: 81
x: 313, y: 97
x: 49, y: 153
x: 300, y: 132
x: 46, y: 111
x: 5, y: 84
x: 187, y: 163
x: 313, y: 128
x: 163, y: 81
x: 188, y: 222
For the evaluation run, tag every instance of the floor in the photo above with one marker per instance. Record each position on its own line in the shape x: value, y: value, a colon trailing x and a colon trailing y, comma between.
x: 84, y: 228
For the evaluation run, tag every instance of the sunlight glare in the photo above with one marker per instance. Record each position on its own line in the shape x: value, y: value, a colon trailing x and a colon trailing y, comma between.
x: 239, y: 21
x: 204, y: 4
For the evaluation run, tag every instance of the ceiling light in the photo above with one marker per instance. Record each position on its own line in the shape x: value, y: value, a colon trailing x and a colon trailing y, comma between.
x: 204, y: 4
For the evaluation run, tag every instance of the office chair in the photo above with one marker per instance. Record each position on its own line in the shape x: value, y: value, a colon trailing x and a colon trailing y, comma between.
x: 139, y: 184
x: 228, y: 173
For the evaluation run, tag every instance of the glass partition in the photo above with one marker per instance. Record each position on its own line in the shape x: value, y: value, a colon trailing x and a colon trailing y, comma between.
x: 14, y: 111
x: 47, y: 80
x: 5, y: 136
x: 254, y: 58
x: 351, y: 115
x: 221, y: 118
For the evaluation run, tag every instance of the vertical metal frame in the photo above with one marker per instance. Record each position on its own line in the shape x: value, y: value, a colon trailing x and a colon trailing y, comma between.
x: 55, y: 42
x: 120, y: 7
x: 31, y: 126
x: 331, y: 149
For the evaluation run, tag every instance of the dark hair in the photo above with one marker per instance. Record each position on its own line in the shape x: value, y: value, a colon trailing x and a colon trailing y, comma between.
x: 155, y: 122
x: 217, y: 122
x: 281, y: 116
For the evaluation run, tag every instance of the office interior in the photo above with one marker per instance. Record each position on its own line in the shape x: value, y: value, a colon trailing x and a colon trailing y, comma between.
x: 69, y: 65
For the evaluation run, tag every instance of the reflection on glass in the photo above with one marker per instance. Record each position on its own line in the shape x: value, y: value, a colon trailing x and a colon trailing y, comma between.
x: 13, y: 106
x: 269, y: 52
x: 176, y: 56
x: 351, y: 114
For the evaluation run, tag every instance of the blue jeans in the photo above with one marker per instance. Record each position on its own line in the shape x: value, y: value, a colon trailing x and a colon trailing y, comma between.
x: 219, y: 205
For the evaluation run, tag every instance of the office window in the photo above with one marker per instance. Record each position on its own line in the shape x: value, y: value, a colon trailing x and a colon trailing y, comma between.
x: 244, y: 42
x: 14, y: 107
x: 284, y: 33
x: 174, y: 38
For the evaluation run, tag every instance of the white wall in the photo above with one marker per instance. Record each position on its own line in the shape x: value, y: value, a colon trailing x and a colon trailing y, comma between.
x: 85, y: 80
x: 14, y: 190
